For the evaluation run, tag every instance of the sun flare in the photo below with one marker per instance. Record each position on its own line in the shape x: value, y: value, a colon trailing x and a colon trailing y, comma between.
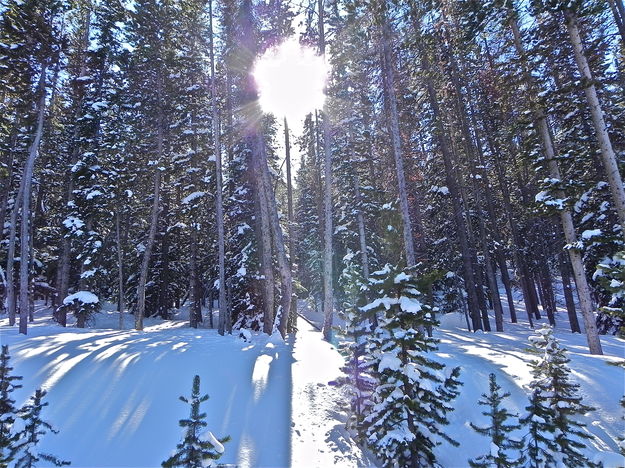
x: 291, y: 79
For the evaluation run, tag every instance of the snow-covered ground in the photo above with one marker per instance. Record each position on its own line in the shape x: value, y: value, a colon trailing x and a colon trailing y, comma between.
x: 114, y: 394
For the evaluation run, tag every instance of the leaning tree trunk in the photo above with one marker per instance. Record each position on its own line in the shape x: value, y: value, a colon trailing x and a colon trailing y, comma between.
x: 393, y: 121
x: 219, y: 206
x: 452, y: 184
x: 328, y: 295
x: 26, y: 196
x: 145, y: 262
x: 566, y: 218
x: 278, y: 242
x: 608, y: 157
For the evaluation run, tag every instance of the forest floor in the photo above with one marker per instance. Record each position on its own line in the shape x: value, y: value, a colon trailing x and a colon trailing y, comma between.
x: 114, y: 393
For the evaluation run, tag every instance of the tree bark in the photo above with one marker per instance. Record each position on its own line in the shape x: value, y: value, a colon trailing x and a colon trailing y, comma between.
x: 328, y: 293
x: 219, y: 206
x: 608, y: 156
x: 393, y: 124
x: 120, y: 272
x: 25, y: 246
x: 147, y: 253
x: 583, y: 290
x: 568, y: 293
x: 291, y: 231
x: 278, y: 242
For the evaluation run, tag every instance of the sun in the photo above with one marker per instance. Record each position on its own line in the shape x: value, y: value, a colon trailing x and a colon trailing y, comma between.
x: 290, y: 79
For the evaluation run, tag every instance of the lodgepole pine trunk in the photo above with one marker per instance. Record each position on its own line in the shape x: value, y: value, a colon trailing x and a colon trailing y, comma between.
x: 608, y: 157
x: 328, y: 293
x: 219, y: 206
x: 566, y: 218
x: 277, y: 236
x: 25, y: 250
x: 393, y: 124
x: 145, y: 262
x: 289, y: 194
x: 120, y: 272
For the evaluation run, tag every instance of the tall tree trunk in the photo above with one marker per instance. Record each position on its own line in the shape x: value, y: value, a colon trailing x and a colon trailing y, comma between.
x: 393, y: 124
x: 120, y: 271
x: 64, y: 262
x: 619, y: 16
x: 360, y: 219
x: 565, y: 273
x: 566, y: 218
x: 328, y: 293
x: 147, y: 253
x: 452, y: 184
x: 284, y: 266
x: 608, y: 157
x: 219, y: 205
x: 11, y: 297
x: 25, y: 250
x: 291, y: 231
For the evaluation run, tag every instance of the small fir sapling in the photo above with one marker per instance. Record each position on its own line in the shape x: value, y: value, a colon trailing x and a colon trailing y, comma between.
x: 499, y: 430
x: 555, y: 435
x: 197, y: 447
x: 411, y: 401
x: 34, y: 429
x: 7, y: 408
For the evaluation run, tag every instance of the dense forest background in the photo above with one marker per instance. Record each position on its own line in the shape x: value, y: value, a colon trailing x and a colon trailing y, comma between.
x: 476, y: 143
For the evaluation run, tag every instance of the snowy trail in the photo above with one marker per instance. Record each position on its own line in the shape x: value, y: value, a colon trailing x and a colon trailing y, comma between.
x: 318, y: 436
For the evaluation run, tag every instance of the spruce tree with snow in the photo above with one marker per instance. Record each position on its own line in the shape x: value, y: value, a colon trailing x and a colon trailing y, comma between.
x: 411, y: 401
x: 555, y: 436
x: 35, y: 428
x: 359, y: 380
x: 498, y: 430
x: 196, y: 448
x: 7, y: 408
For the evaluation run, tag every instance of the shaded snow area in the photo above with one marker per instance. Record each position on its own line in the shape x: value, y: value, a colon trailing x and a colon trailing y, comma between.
x: 114, y: 394
x: 505, y: 354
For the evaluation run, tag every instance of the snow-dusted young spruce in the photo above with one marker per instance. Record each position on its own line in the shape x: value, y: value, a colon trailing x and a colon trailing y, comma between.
x: 197, y: 449
x: 411, y: 401
x: 27, y: 455
x: 555, y: 434
x: 499, y: 429
x: 7, y: 408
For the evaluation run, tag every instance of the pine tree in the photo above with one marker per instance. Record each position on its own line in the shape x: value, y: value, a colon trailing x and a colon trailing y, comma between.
x: 498, y: 431
x: 34, y: 429
x: 7, y: 408
x: 555, y: 435
x: 195, y: 448
x: 411, y: 401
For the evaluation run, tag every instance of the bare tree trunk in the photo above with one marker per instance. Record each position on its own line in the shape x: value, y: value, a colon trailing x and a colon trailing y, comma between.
x: 278, y: 242
x: 27, y: 188
x: 64, y: 262
x: 389, y: 93
x: 147, y: 253
x: 11, y: 298
x: 608, y: 157
x: 328, y: 293
x: 120, y: 272
x: 289, y: 194
x: 452, y: 184
x: 266, y: 263
x: 583, y: 290
x: 568, y: 293
x: 360, y: 219
x: 619, y: 17
x: 219, y: 206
